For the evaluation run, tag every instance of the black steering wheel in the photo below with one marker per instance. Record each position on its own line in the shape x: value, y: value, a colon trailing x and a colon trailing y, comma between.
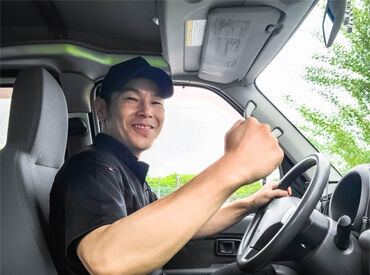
x: 278, y: 222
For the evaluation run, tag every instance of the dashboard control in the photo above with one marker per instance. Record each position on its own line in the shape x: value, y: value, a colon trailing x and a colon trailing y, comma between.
x: 341, y: 239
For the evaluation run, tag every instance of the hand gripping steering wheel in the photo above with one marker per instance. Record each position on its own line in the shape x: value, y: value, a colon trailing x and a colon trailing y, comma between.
x: 278, y: 222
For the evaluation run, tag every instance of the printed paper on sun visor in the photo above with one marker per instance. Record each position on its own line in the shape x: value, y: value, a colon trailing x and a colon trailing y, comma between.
x: 226, y: 42
x: 195, y: 32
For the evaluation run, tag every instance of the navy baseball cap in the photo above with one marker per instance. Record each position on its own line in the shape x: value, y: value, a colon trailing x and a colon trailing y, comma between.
x: 120, y: 74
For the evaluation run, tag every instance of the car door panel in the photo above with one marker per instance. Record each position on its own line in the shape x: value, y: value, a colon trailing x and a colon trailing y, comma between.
x: 203, y: 256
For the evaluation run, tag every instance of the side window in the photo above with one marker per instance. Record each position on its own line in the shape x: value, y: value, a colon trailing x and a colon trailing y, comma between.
x: 5, y: 97
x: 192, y: 138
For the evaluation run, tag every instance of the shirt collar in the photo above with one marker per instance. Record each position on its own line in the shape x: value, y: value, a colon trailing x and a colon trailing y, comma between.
x: 112, y: 145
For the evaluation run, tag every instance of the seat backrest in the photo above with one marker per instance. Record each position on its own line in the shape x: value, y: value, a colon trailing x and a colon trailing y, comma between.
x: 34, y: 152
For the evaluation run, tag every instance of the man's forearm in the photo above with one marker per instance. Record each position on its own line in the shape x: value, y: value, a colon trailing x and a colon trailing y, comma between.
x: 226, y: 217
x: 149, y: 237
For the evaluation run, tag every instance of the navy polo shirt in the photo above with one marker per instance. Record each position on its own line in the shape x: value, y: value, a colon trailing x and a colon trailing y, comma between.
x: 98, y: 186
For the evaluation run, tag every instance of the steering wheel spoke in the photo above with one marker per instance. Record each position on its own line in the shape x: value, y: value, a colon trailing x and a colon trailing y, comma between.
x: 250, y: 252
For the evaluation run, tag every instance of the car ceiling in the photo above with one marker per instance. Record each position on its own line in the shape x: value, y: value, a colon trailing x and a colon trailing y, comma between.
x: 113, y: 26
x: 90, y: 36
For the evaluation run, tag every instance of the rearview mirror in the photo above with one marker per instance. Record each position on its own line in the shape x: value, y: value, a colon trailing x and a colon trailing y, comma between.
x: 333, y: 18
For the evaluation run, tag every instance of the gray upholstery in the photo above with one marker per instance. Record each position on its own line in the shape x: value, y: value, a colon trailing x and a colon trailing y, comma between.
x: 33, y: 154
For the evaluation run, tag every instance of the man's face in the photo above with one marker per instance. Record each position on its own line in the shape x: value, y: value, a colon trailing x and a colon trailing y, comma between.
x: 135, y: 116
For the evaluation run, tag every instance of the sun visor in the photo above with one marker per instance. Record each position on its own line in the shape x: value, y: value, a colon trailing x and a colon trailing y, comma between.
x: 233, y: 38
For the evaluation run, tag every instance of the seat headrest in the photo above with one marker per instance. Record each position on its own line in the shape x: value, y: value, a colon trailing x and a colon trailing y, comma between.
x: 38, y: 117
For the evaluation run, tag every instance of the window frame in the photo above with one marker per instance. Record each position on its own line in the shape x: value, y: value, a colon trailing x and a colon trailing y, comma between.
x: 7, y: 85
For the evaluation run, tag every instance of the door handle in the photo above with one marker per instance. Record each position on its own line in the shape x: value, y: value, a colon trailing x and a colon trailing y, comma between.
x: 227, y: 247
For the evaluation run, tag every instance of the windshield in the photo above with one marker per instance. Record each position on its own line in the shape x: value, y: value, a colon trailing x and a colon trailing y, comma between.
x: 325, y: 92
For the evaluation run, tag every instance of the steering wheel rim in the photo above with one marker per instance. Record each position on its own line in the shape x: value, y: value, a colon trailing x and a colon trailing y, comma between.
x: 295, y: 221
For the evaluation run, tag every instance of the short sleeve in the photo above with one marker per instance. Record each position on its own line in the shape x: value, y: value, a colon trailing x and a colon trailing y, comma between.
x: 94, y: 197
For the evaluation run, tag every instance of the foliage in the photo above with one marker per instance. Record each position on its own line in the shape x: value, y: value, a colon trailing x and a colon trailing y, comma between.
x: 170, y: 180
x: 345, y: 132
x: 163, y: 186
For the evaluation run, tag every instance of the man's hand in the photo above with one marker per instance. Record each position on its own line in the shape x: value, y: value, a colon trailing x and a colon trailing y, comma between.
x: 236, y: 210
x: 266, y: 193
x: 251, y: 152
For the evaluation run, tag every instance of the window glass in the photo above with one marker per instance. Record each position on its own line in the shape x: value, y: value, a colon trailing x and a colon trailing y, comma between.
x: 192, y: 138
x: 324, y: 92
x: 5, y: 97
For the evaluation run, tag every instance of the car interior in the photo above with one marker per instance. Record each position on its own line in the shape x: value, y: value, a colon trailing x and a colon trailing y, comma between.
x: 54, y: 55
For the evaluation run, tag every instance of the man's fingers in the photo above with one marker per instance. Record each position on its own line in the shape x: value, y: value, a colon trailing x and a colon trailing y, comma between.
x: 280, y: 193
x: 273, y: 184
x: 251, y: 119
x: 236, y: 124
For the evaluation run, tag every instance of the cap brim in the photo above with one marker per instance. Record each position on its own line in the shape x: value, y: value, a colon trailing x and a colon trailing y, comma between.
x: 159, y: 77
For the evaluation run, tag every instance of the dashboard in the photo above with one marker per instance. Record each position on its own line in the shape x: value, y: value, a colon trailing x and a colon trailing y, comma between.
x: 351, y: 197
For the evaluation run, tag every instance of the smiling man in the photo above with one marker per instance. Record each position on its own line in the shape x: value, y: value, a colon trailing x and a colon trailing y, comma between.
x: 104, y: 217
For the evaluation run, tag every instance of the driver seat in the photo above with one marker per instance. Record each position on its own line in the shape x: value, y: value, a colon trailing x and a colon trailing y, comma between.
x: 34, y: 152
